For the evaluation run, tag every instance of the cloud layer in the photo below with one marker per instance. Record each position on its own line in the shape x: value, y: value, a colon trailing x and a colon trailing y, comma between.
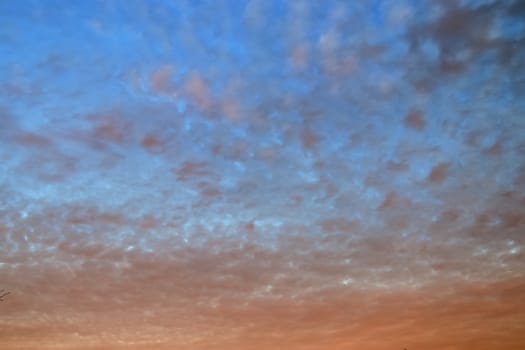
x: 262, y: 175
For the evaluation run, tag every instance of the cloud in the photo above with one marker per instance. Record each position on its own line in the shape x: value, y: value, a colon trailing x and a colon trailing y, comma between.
x: 322, y: 176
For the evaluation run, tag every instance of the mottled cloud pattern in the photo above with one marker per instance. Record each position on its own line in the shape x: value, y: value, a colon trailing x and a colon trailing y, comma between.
x: 262, y: 175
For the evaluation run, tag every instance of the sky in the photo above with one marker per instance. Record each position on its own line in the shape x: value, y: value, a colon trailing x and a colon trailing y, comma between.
x: 262, y: 174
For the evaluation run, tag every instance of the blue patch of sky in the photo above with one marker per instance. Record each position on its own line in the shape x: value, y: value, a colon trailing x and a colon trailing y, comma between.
x: 101, y: 40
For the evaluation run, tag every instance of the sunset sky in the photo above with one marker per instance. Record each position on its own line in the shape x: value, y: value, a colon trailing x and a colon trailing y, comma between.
x: 262, y: 175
